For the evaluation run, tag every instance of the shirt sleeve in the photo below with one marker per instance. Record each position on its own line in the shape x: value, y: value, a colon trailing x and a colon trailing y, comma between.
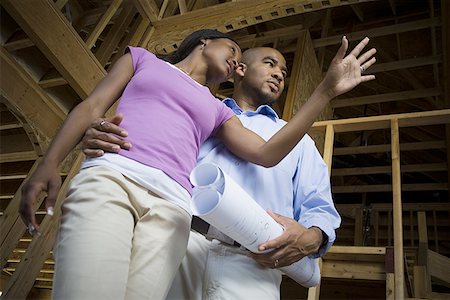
x: 224, y: 113
x: 137, y: 55
x: 313, y: 202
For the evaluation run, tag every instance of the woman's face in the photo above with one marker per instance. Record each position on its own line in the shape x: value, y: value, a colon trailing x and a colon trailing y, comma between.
x: 222, y: 57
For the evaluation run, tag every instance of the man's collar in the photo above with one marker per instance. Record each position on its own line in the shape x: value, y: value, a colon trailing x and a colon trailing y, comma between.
x: 263, y: 109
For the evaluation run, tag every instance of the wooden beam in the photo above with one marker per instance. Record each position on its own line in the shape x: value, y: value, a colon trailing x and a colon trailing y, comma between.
x: 25, y: 95
x: 405, y: 63
x: 387, y: 148
x: 12, y: 226
x: 231, y: 16
x: 18, y: 156
x: 305, y: 77
x: 388, y: 169
x: 182, y: 6
x: 18, y: 44
x: 148, y: 9
x: 162, y: 10
x: 382, y: 98
x: 294, y: 87
x: 358, y: 12
x: 354, y: 270
x: 328, y: 147
x: 380, y: 31
x: 115, y: 35
x: 72, y: 58
x: 432, y: 117
x: 98, y: 29
x: 252, y: 40
x: 397, y: 211
x: 31, y: 263
x: 375, y: 188
x: 445, y: 8
x: 420, y: 282
x: 439, y: 266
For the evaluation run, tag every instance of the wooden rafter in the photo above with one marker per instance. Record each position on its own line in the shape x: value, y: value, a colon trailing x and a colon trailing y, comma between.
x: 231, y: 16
x: 29, y: 15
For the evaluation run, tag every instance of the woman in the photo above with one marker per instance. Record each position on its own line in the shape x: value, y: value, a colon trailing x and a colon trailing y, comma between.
x: 126, y: 218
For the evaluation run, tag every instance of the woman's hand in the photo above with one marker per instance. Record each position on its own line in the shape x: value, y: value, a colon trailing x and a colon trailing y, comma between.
x: 46, y: 178
x: 104, y: 135
x: 346, y: 72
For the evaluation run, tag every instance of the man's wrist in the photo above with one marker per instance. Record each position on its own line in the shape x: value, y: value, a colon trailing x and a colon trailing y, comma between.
x: 323, y: 236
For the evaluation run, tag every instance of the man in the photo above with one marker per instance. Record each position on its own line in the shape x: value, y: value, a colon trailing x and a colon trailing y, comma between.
x: 296, y: 193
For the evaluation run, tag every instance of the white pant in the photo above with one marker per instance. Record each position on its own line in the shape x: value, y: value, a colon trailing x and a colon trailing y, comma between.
x: 117, y: 240
x: 214, y: 270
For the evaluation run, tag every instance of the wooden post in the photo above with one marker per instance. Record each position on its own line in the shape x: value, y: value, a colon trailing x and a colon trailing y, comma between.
x: 399, y: 277
x: 358, y: 233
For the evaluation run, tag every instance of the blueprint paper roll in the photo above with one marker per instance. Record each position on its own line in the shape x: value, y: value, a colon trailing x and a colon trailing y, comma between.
x: 232, y: 211
x: 220, y: 201
x: 208, y: 176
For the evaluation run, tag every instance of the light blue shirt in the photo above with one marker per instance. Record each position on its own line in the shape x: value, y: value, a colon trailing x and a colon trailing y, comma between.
x: 298, y: 187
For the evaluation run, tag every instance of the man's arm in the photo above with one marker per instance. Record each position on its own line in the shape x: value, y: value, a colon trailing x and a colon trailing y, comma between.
x: 312, y: 232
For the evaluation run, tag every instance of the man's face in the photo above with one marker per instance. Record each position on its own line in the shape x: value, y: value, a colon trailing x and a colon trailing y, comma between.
x: 265, y: 73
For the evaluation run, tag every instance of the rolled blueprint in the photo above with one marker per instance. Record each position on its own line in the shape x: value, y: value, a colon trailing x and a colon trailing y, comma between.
x: 221, y: 202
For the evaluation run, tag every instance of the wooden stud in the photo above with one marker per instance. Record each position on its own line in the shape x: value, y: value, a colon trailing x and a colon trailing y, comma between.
x: 397, y: 211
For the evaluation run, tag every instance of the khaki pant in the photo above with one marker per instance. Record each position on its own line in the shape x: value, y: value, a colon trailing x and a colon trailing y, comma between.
x: 215, y: 270
x: 117, y: 240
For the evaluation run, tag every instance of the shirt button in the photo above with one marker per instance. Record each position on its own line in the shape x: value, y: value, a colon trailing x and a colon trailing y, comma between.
x: 237, y: 163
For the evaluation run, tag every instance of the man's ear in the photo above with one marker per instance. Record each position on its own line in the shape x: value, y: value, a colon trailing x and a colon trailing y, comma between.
x: 240, y: 70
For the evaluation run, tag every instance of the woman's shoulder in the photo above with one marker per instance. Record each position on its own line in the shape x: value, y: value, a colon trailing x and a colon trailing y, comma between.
x: 139, y: 51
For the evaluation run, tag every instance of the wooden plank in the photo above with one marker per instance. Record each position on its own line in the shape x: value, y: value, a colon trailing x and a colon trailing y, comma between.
x: 405, y: 63
x: 422, y: 228
x: 432, y: 117
x: 387, y: 148
x: 388, y: 169
x: 354, y: 270
x: 358, y: 12
x: 390, y: 286
x: 447, y: 135
x: 375, y: 188
x: 314, y: 292
x: 18, y: 44
x: 380, y: 31
x: 72, y: 59
x: 173, y: 29
x: 439, y: 266
x: 98, y: 29
x: 26, y: 272
x: 388, y: 97
x: 397, y: 211
x: 115, y: 35
x: 138, y: 32
x: 182, y: 6
x: 420, y: 282
x: 25, y: 95
x: 147, y: 8
x: 295, y: 83
x: 18, y: 156
x: 358, y: 229
x: 12, y: 226
x: 445, y: 8
x: 252, y: 40
x: 328, y: 147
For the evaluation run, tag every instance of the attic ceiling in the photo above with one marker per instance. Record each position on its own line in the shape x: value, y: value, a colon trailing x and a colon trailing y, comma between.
x: 45, y: 44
